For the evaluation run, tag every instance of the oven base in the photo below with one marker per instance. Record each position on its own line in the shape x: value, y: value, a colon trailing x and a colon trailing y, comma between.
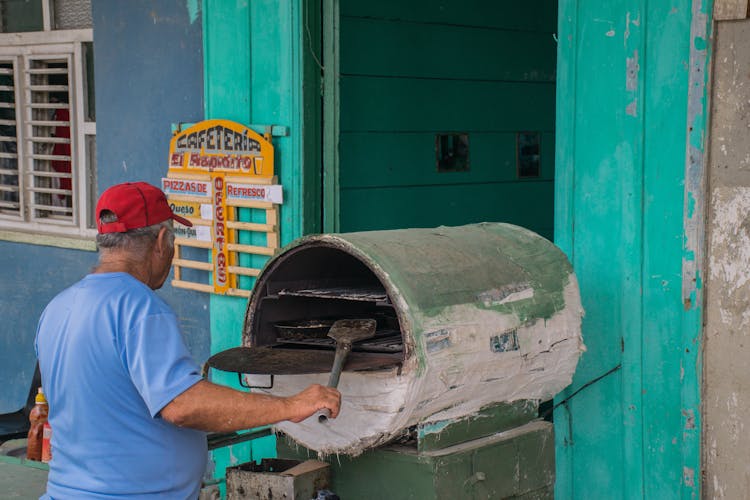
x: 517, y: 463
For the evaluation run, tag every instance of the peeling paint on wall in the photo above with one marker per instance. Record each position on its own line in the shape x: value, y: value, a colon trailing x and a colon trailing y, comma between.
x: 631, y: 82
x: 731, y: 234
x: 655, y: 448
x: 694, y: 158
x: 694, y: 215
x: 727, y: 347
x: 688, y: 475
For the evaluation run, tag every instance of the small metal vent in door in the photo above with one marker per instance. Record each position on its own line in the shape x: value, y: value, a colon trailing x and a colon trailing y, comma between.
x: 528, y: 148
x: 452, y: 152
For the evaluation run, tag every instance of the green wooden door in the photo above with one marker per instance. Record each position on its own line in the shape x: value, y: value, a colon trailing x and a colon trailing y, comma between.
x: 631, y: 119
x: 432, y: 97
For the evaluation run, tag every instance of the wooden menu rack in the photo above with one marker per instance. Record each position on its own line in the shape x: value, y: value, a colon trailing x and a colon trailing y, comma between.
x: 203, y: 196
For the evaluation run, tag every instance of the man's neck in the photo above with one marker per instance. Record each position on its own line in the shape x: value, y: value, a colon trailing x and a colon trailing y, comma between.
x: 122, y: 262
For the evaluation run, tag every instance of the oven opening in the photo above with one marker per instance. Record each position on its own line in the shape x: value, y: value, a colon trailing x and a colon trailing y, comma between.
x: 297, y: 301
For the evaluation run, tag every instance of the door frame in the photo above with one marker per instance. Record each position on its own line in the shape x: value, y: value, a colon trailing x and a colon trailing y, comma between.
x: 331, y: 113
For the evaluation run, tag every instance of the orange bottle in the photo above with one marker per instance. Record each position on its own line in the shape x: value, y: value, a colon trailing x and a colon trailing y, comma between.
x: 37, y: 419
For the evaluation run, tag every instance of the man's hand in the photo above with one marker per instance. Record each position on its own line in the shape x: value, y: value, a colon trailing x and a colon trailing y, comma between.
x: 215, y: 408
x: 314, y: 398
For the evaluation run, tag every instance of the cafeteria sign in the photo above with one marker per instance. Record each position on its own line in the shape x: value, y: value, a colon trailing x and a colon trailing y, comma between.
x: 216, y: 167
x: 221, y: 146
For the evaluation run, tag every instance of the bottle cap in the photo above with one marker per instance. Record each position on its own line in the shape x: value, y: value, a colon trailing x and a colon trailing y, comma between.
x: 40, y: 396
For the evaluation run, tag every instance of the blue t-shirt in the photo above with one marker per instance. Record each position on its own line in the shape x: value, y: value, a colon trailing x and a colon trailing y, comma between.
x: 112, y: 356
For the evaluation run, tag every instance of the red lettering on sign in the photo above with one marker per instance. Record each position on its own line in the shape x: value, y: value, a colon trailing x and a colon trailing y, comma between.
x: 177, y: 185
x: 176, y: 160
x: 220, y: 266
x: 246, y: 192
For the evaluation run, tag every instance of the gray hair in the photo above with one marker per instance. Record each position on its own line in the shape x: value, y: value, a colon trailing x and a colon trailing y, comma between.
x: 137, y: 241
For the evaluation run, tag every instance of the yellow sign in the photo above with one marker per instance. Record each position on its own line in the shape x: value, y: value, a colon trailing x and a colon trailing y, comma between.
x: 186, y: 208
x: 216, y: 168
x: 221, y: 146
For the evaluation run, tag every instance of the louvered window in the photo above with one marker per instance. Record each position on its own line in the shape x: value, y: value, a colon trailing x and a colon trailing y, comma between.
x: 46, y: 135
x: 9, y: 192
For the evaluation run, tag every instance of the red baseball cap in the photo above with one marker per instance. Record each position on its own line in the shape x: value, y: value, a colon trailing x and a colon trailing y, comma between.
x: 136, y: 204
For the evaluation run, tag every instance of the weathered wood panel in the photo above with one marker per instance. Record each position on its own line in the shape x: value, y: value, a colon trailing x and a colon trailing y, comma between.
x: 445, y: 51
x: 631, y: 106
x: 411, y: 70
x: 531, y: 15
x: 393, y: 159
x: 528, y: 204
x: 414, y: 105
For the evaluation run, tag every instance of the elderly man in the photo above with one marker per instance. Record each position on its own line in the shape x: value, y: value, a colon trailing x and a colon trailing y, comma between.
x: 128, y: 406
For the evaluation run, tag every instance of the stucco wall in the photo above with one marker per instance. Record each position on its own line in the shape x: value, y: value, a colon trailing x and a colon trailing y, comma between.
x: 149, y: 74
x: 148, y: 58
x: 31, y: 276
x: 727, y: 345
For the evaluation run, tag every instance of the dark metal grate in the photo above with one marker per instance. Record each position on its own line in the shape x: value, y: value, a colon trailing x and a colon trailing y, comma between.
x: 368, y: 294
x: 384, y: 341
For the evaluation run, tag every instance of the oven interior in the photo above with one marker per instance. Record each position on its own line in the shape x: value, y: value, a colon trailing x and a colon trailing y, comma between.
x: 298, y: 299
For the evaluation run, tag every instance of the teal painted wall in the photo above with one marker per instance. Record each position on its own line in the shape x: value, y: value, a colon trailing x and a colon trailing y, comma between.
x: 409, y: 70
x: 255, y: 56
x: 631, y: 103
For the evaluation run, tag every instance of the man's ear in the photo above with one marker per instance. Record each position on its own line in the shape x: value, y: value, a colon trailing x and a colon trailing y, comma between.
x: 162, y: 241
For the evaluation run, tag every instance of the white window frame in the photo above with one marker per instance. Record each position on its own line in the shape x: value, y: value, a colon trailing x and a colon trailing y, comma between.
x: 53, y: 44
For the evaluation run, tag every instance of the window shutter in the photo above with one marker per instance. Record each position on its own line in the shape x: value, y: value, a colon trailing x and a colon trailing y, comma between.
x: 10, y: 200
x: 48, y: 133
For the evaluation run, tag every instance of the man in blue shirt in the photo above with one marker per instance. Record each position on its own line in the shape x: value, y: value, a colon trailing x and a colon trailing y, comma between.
x: 128, y: 406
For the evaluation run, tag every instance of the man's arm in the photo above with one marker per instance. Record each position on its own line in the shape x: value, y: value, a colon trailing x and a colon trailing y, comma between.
x: 215, y: 408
